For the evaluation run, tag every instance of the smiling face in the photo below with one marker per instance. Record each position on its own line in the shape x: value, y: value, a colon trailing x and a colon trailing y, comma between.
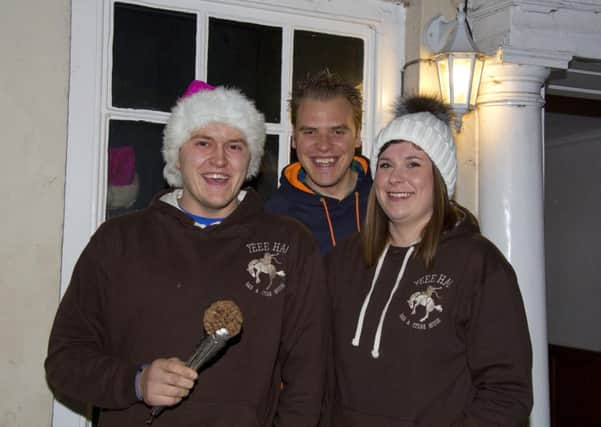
x: 325, y: 139
x: 213, y: 163
x: 404, y: 187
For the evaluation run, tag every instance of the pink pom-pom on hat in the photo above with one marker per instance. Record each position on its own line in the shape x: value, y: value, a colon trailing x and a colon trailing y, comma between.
x: 197, y: 86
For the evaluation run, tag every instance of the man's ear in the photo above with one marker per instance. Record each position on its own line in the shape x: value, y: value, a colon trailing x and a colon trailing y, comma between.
x: 293, y: 141
x: 178, y: 164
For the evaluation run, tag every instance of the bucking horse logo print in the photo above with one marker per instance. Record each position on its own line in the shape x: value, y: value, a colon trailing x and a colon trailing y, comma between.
x: 265, y: 266
x: 425, y: 305
x: 425, y: 299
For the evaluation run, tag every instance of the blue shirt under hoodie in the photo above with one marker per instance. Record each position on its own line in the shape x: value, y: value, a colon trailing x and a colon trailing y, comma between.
x: 331, y: 220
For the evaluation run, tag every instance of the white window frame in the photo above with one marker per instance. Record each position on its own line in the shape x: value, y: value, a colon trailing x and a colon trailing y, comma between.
x: 378, y: 23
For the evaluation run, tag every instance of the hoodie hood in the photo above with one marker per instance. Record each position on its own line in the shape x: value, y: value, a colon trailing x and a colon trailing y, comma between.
x: 466, y: 225
x: 294, y: 175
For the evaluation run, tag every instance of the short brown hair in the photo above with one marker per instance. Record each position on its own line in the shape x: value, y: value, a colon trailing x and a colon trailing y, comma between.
x: 375, y: 233
x: 325, y: 85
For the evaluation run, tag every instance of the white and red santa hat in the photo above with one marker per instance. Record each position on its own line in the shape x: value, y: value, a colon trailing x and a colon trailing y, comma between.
x: 202, y: 104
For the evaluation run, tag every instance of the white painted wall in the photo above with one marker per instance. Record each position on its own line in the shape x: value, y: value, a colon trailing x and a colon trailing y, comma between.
x: 34, y: 46
x: 572, y: 233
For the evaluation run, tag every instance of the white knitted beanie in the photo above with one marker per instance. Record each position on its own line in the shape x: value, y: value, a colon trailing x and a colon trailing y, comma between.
x: 202, y: 104
x: 427, y: 131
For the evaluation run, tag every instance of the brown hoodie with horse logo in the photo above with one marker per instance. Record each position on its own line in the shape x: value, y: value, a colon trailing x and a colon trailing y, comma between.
x: 445, y: 346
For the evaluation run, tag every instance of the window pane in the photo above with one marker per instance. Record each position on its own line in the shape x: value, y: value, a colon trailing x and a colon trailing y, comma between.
x: 292, y: 155
x: 247, y: 56
x: 316, y: 51
x: 153, y: 56
x: 267, y: 180
x: 135, y: 166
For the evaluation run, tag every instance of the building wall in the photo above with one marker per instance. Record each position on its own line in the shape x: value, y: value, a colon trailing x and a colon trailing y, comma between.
x: 34, y: 44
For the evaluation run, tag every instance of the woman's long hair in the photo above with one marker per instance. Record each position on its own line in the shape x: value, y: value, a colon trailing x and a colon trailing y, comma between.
x: 375, y: 234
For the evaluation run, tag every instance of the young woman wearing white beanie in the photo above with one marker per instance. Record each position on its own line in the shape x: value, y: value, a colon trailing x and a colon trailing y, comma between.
x: 429, y: 324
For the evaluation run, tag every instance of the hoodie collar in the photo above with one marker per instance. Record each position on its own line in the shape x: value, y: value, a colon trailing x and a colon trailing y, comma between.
x: 172, y: 198
x: 250, y: 205
x: 296, y: 175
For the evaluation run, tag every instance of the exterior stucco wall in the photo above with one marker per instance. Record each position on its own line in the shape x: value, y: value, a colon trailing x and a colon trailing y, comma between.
x: 34, y: 44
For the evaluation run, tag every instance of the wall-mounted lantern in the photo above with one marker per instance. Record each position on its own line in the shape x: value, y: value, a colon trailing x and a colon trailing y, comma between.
x: 459, y: 64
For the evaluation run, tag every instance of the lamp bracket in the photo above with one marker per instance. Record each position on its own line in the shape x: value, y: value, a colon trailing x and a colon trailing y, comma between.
x: 437, y: 32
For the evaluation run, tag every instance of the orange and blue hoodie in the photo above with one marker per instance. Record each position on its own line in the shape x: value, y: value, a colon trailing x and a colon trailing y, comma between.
x: 331, y: 220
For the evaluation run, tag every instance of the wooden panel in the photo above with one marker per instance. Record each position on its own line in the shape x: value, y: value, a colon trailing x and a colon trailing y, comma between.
x: 575, y: 387
x: 575, y: 106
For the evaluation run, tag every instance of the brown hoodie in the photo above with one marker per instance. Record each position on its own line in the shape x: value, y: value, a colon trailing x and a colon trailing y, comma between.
x: 448, y: 347
x: 138, y: 293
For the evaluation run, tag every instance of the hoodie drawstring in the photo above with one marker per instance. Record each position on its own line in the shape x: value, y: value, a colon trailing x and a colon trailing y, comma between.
x: 325, y: 206
x: 375, y: 352
x: 329, y: 220
x: 359, y: 327
x: 357, y: 216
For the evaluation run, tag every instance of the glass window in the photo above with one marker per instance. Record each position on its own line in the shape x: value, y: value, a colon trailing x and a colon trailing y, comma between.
x: 315, y: 51
x: 267, y: 180
x: 249, y: 57
x: 135, y: 165
x: 153, y: 56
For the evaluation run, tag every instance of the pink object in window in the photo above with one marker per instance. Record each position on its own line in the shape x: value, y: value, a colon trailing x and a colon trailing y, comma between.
x: 122, y: 165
